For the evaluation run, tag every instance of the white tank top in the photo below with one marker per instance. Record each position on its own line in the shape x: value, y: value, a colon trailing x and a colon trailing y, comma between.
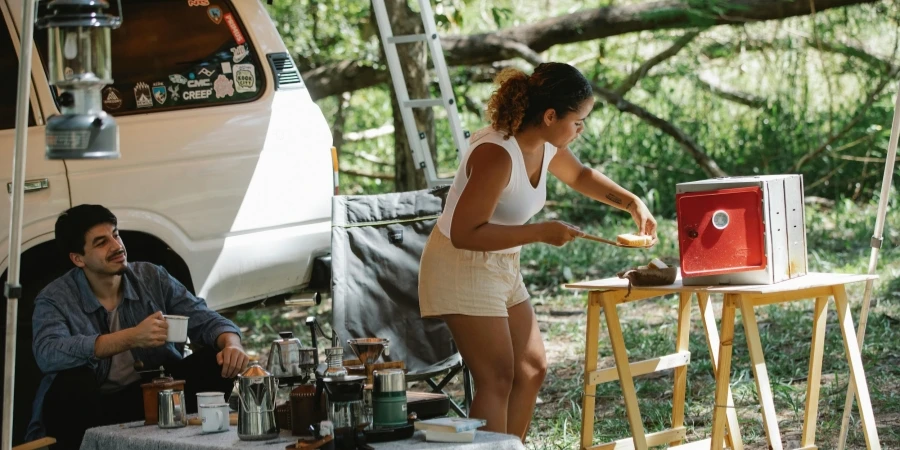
x: 518, y: 202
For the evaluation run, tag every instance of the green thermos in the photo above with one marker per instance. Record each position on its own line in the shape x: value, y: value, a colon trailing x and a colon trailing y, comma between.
x: 389, y: 398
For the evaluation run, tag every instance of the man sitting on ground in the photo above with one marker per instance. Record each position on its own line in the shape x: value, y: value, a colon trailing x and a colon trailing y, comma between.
x: 103, y: 319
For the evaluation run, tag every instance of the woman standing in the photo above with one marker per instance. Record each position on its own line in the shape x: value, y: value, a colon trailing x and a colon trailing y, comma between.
x: 470, y: 275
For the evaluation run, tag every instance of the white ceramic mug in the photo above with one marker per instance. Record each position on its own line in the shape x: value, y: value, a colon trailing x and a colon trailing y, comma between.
x: 214, y: 417
x: 178, y: 326
x: 208, y: 398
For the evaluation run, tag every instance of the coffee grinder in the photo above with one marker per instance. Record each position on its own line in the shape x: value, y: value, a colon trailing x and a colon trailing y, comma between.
x: 294, y: 367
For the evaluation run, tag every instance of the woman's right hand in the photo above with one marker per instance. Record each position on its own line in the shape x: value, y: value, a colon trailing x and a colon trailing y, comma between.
x: 558, y: 233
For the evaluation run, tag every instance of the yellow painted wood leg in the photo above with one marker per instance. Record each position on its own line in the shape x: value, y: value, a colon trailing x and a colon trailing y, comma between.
x: 682, y: 339
x: 857, y: 374
x: 814, y: 378
x: 723, y: 372
x: 591, y: 344
x: 733, y: 438
x: 617, y: 341
x: 761, y: 375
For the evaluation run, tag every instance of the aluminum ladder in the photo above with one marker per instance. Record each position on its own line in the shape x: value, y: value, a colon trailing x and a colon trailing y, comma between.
x: 417, y: 138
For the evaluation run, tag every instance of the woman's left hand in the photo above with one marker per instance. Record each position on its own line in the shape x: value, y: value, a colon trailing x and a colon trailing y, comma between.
x: 644, y: 219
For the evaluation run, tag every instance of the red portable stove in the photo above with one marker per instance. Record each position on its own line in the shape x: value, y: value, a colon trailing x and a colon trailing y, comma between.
x: 741, y: 230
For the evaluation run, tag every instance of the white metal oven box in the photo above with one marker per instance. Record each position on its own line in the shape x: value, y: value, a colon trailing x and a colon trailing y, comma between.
x: 741, y: 230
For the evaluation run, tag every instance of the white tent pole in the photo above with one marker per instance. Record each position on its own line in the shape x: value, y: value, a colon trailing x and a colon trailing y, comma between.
x: 13, y: 291
x: 873, y: 260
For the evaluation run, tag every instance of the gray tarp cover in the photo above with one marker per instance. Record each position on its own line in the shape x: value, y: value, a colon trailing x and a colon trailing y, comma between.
x: 376, y: 243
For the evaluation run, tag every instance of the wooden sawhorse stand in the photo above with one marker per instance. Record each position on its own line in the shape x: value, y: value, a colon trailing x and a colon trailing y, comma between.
x: 607, y: 294
x: 814, y: 285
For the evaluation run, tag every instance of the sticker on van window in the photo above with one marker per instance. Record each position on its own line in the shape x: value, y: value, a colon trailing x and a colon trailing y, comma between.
x: 174, y: 94
x: 142, y: 95
x: 226, y: 67
x: 244, y: 78
x: 178, y: 78
x: 159, y: 92
x: 197, y: 94
x: 223, y: 87
x: 215, y: 14
x: 199, y: 83
x: 206, y: 72
x: 235, y: 29
x: 112, y: 98
x: 240, y: 52
x: 198, y: 2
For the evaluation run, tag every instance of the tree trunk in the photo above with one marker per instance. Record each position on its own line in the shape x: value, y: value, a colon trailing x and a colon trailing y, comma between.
x: 414, y: 62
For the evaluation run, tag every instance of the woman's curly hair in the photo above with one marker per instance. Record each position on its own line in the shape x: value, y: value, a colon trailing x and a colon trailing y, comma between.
x: 521, y: 100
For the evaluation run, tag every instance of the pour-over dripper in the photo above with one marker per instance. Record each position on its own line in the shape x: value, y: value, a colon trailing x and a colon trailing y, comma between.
x: 368, y: 350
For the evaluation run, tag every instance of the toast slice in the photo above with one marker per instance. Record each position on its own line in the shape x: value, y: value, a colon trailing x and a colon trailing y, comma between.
x: 634, y: 240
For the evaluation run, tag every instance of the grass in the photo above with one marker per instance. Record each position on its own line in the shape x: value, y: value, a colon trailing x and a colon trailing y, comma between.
x: 837, y: 242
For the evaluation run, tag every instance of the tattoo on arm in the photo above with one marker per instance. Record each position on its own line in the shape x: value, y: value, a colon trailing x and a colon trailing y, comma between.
x: 629, y: 204
x: 614, y: 199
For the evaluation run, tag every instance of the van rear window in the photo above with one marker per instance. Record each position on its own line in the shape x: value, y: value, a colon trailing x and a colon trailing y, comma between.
x: 175, y: 54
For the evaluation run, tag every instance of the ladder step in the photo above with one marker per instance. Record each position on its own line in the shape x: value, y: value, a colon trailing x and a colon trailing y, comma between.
x: 653, y: 440
x: 407, y: 38
x: 423, y: 103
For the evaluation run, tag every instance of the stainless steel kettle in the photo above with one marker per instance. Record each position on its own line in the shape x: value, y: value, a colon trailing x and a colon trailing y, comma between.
x: 289, y: 361
x: 256, y: 410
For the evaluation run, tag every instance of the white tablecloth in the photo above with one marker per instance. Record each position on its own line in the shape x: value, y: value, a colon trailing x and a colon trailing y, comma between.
x: 137, y: 436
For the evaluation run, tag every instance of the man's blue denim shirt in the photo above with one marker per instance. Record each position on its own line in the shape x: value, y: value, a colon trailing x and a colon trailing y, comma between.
x: 68, y: 318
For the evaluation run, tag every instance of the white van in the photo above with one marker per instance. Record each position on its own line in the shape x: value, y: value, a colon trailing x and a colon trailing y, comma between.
x: 225, y: 176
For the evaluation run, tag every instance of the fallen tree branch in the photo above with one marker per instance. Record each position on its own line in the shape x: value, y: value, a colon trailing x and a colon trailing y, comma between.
x: 865, y: 159
x: 372, y: 133
x: 532, y: 39
x: 714, y: 87
x: 374, y: 176
x: 621, y: 19
x: 826, y: 178
x: 367, y: 157
x: 859, y: 53
x: 707, y: 164
x: 523, y: 51
x: 719, y: 50
x: 343, y: 76
x: 635, y: 76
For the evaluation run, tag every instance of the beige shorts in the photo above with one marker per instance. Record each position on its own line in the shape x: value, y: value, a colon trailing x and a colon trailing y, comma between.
x: 454, y: 281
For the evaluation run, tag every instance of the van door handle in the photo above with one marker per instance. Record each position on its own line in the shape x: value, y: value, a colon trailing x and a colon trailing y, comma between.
x: 31, y: 185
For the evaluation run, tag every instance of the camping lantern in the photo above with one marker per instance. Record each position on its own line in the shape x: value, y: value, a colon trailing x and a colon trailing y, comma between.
x: 79, y: 54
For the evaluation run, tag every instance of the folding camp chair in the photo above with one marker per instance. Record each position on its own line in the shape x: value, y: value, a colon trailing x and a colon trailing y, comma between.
x: 376, y: 244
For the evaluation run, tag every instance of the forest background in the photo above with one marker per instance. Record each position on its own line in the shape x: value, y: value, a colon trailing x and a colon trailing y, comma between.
x: 686, y: 90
